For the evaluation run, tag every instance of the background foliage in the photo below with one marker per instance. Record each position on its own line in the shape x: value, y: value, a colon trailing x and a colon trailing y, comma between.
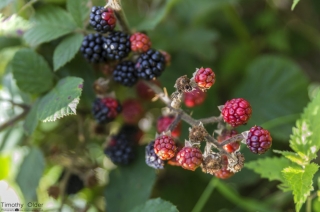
x: 260, y: 50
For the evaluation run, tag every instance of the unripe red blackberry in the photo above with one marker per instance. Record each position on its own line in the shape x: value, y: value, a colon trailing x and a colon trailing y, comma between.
x: 165, y: 147
x: 194, y: 98
x: 140, y: 42
x: 106, y: 109
x: 204, y: 78
x: 236, y: 112
x: 189, y: 158
x: 228, y: 134
x: 132, y: 111
x: 102, y: 19
x: 224, y: 173
x: 164, y: 122
x: 144, y: 91
x: 259, y: 140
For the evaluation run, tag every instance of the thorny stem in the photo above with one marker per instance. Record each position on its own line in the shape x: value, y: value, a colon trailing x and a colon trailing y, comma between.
x: 187, y: 118
x: 122, y: 20
x: 211, y: 120
x: 235, y: 138
x: 15, y: 119
x: 175, y: 122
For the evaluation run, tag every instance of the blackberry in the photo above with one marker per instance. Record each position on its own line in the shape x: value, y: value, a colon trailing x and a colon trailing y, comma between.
x: 236, y: 112
x: 120, y: 150
x: 74, y: 183
x: 106, y: 109
x: 150, y: 64
x: 125, y: 73
x: 189, y: 158
x: 259, y: 140
x: 165, y: 147
x: 92, y: 48
x: 117, y: 45
x: 102, y: 19
x: 132, y: 132
x: 152, y: 159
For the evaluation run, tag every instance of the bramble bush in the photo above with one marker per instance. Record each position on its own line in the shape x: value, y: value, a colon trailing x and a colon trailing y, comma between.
x: 169, y: 105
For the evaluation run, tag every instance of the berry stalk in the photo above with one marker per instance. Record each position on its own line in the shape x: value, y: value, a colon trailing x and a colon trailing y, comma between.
x: 115, y: 5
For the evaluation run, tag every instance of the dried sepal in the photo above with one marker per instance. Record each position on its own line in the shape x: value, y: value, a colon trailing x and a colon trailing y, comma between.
x: 183, y: 84
x: 211, y: 163
x: 197, y: 133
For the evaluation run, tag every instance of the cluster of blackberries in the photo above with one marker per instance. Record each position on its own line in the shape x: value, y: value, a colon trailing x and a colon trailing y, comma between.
x: 121, y: 147
x: 116, y: 46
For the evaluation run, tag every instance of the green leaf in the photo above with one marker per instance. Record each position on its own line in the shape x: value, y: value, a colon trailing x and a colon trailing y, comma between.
x: 4, y: 3
x: 276, y: 101
x: 157, y: 16
x: 294, y: 157
x: 9, y: 42
x: 156, y: 205
x: 130, y: 185
x: 5, y: 161
x: 14, y: 26
x: 30, y: 173
x: 305, y: 139
x: 31, y: 121
x: 62, y: 100
x: 79, y: 10
x: 299, y: 181
x: 269, y: 168
x: 49, y: 23
x: 31, y: 71
x: 66, y: 50
x: 294, y: 4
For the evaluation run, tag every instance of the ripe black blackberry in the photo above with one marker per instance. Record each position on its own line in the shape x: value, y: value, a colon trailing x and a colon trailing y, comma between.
x: 120, y: 150
x: 74, y: 183
x: 152, y: 159
x: 132, y: 132
x: 117, y: 45
x: 106, y: 109
x: 125, y: 73
x: 92, y: 48
x: 102, y: 19
x: 150, y: 64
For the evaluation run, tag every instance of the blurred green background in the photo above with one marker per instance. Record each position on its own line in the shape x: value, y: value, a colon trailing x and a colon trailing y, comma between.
x: 259, y: 50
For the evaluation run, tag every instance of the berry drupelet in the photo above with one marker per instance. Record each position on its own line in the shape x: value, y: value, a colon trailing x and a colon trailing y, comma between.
x: 92, y: 48
x: 259, y: 140
x: 140, y: 42
x: 102, y: 19
x: 236, y: 112
x: 189, y: 158
x: 117, y: 45
x: 120, y: 150
x: 150, y: 64
x: 125, y: 73
x: 165, y: 147
x: 106, y: 109
x: 152, y: 159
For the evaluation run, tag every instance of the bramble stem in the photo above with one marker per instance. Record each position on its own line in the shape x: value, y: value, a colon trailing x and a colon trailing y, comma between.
x: 205, y: 195
x: 15, y: 119
x: 175, y: 122
x: 235, y: 138
x: 211, y: 120
x: 115, y: 5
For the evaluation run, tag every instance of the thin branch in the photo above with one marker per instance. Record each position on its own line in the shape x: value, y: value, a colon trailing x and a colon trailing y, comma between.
x: 23, y: 106
x: 211, y: 120
x: 235, y: 138
x: 15, y: 119
x: 175, y: 122
x: 121, y: 17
